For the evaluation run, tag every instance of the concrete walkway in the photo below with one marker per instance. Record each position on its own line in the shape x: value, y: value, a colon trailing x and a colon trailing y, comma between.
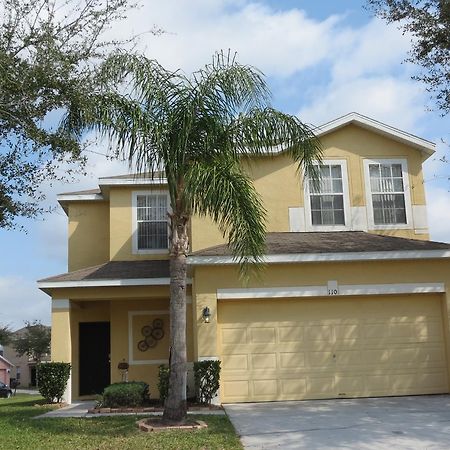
x: 80, y: 409
x: 398, y: 423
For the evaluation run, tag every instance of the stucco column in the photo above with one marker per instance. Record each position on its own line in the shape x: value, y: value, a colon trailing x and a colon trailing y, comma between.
x: 206, y: 332
x: 61, y: 347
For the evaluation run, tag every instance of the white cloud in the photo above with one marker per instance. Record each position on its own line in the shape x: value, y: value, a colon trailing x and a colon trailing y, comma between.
x: 394, y: 101
x: 438, y: 199
x: 371, y: 50
x: 367, y: 76
x: 278, y: 42
x: 21, y: 301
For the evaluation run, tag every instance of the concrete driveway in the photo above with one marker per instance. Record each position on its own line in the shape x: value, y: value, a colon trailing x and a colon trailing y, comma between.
x: 421, y: 422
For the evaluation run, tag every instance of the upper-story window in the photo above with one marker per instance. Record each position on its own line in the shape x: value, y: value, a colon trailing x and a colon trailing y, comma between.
x: 150, y: 218
x: 387, y: 193
x: 326, y: 199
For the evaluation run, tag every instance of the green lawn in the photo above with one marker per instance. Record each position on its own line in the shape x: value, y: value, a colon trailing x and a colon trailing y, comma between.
x: 18, y: 430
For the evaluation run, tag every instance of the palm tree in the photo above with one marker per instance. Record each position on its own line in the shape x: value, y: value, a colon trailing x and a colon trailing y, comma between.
x: 197, y: 130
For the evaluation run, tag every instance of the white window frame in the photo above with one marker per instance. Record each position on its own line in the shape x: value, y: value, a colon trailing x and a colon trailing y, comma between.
x: 345, y: 191
x: 134, y: 231
x: 406, y: 191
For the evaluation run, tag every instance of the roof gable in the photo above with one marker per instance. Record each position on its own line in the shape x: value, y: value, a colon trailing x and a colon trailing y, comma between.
x: 377, y: 127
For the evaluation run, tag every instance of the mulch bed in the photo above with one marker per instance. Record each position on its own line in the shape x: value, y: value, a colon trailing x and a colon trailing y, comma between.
x: 53, y: 405
x: 156, y: 407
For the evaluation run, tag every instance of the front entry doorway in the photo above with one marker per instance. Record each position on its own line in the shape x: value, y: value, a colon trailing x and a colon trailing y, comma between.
x: 95, y: 366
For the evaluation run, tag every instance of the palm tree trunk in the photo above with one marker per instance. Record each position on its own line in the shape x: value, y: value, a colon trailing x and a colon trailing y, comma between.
x: 175, y: 408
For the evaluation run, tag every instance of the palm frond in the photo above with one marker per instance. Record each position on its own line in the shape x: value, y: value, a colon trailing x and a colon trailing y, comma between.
x: 220, y: 189
x: 268, y: 131
x: 229, y: 87
x: 198, y: 128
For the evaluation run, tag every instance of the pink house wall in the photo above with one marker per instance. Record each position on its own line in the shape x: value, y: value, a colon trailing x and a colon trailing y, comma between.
x: 5, y: 369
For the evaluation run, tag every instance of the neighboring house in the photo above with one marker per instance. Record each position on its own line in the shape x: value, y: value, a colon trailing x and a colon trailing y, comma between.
x: 5, y: 367
x: 24, y: 366
x: 353, y: 302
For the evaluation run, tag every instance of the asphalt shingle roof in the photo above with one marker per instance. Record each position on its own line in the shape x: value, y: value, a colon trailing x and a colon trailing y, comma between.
x: 277, y: 244
x: 332, y: 242
x: 116, y: 270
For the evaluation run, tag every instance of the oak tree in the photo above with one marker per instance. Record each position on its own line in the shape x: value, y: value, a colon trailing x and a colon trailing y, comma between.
x: 428, y: 24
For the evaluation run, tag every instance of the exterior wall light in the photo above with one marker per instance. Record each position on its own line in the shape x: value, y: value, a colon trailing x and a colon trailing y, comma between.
x: 206, y: 314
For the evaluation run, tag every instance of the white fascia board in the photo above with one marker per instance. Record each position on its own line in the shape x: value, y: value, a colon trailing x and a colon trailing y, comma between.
x: 106, y: 283
x: 422, y: 144
x: 322, y: 291
x: 6, y: 361
x: 326, y: 257
x: 79, y: 197
x: 131, y: 181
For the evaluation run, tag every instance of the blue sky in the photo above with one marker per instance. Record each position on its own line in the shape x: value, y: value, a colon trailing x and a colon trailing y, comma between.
x: 322, y: 60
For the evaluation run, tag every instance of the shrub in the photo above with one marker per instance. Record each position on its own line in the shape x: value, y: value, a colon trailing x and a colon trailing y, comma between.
x: 52, y: 378
x: 163, y: 382
x: 134, y: 393
x: 207, y: 377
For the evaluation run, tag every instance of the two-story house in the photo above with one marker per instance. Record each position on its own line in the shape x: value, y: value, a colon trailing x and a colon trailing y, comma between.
x: 353, y: 302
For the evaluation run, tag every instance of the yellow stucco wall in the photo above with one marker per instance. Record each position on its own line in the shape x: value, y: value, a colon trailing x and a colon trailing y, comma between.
x: 120, y: 313
x: 121, y: 224
x: 210, y: 278
x: 354, y: 143
x: 88, y: 234
x: 61, y: 338
x: 281, y: 187
x: 275, y: 178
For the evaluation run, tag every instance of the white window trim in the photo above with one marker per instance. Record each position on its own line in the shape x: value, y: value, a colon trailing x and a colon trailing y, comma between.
x: 134, y: 233
x: 345, y: 191
x: 369, y: 205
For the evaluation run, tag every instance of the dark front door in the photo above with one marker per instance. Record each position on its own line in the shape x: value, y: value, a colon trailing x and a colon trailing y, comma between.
x: 94, y: 357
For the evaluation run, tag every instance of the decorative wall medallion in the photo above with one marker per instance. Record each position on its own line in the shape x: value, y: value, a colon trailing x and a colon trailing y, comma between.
x: 142, y: 346
x: 146, y: 330
x: 152, y: 334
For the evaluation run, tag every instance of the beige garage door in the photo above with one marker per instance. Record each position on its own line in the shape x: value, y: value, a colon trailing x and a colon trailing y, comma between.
x: 292, y: 349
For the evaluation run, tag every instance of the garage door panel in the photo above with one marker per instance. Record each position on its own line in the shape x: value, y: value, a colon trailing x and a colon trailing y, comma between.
x: 237, y: 389
x: 406, y: 357
x: 350, y: 385
x: 321, y: 333
x: 268, y: 387
x: 320, y: 359
x: 291, y: 334
x: 234, y: 362
x: 347, y: 358
x: 262, y: 335
x: 324, y: 348
x: 263, y: 361
x: 291, y: 387
x: 350, y: 332
x: 320, y: 387
x: 234, y: 335
x: 292, y: 360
